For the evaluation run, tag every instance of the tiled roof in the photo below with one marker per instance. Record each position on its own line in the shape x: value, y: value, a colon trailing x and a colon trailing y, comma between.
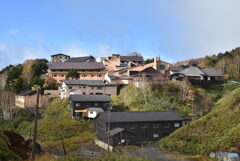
x: 140, y: 116
x: 90, y: 98
x: 76, y: 65
x: 59, y: 54
x: 26, y: 93
x: 212, y: 72
x: 131, y: 58
x: 192, y: 71
x: 79, y: 59
x: 85, y: 82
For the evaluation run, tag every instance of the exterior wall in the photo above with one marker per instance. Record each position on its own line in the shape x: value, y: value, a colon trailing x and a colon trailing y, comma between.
x: 60, y: 58
x: 112, y: 62
x: 82, y: 89
x: 59, y: 76
x: 30, y: 101
x: 138, y: 134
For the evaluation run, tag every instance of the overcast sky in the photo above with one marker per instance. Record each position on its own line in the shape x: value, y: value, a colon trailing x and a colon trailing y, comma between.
x: 175, y: 30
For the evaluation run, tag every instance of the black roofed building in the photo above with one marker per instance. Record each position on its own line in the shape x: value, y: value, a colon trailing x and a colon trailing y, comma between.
x: 128, y: 128
x: 91, y: 87
x: 80, y: 104
x: 87, y: 70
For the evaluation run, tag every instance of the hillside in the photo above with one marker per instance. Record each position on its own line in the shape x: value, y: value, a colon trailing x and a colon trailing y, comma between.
x: 218, y: 130
x: 229, y: 62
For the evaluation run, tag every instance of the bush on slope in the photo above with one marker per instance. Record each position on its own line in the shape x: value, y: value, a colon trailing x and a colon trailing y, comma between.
x: 218, y: 130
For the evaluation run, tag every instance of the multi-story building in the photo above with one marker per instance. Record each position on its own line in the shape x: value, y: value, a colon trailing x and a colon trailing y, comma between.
x: 116, y: 61
x: 126, y: 128
x: 90, y: 87
x: 87, y: 70
x: 59, y: 57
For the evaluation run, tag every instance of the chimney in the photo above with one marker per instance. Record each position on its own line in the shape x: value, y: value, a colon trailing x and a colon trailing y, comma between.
x: 156, y: 63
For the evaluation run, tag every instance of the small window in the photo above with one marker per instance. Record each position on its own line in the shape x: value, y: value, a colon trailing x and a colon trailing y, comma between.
x: 54, y: 75
x: 80, y: 87
x: 70, y: 87
x: 83, y: 93
x: 166, y: 125
x: 84, y: 87
x: 155, y: 125
x: 145, y: 126
x: 161, y: 67
x: 155, y: 135
x: 99, y: 75
x: 60, y: 57
x: 92, y: 87
x: 176, y: 124
x: 77, y: 104
x: 99, y: 88
x: 92, y: 75
x: 91, y: 93
x: 134, y: 126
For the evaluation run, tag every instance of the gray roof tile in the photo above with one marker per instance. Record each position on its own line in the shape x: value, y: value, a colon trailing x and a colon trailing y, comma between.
x: 76, y: 65
x: 90, y: 98
x: 131, y: 58
x: 85, y: 82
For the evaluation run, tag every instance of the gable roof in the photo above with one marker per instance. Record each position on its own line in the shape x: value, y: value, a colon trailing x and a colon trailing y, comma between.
x: 212, y: 72
x: 79, y: 59
x: 76, y: 65
x: 26, y: 93
x: 140, y: 116
x: 131, y: 58
x: 60, y: 54
x: 85, y: 82
x: 192, y: 71
x: 89, y: 98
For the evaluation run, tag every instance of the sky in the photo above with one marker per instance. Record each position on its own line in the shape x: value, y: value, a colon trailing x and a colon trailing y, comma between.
x: 174, y: 30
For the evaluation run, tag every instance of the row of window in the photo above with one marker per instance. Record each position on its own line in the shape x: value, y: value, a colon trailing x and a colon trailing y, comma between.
x: 60, y: 70
x: 165, y: 125
x: 98, y: 88
x: 83, y: 75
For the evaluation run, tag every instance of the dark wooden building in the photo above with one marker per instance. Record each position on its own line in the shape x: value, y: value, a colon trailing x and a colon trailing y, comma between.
x: 80, y: 103
x: 127, y: 128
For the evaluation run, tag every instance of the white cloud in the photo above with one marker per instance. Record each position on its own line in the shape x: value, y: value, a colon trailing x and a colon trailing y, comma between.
x: 104, y: 50
x: 75, y: 49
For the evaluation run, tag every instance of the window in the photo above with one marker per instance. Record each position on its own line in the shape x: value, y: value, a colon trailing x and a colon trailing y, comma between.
x: 176, y: 124
x: 166, y: 125
x: 155, y: 125
x: 61, y: 75
x: 60, y: 57
x: 144, y: 126
x: 99, y: 75
x: 77, y: 104
x: 91, y: 112
x: 84, y: 75
x: 92, y: 75
x: 91, y: 93
x: 80, y: 87
x: 161, y: 67
x: 134, y: 126
x: 66, y: 57
x: 155, y: 135
x: 83, y: 93
x: 96, y: 104
x: 54, y: 75
x: 70, y: 87
x: 84, y: 87
x: 99, y: 88
x: 99, y: 93
x: 92, y: 87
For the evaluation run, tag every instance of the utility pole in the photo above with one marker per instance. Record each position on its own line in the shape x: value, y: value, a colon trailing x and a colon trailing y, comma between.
x: 35, y: 127
x: 108, y: 131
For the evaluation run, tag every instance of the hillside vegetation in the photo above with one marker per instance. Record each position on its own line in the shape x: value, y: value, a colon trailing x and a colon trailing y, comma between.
x: 218, y: 130
x: 228, y: 62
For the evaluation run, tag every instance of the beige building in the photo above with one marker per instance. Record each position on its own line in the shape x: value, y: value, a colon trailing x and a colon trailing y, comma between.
x: 88, y: 87
x: 116, y: 62
x: 59, y: 57
x: 87, y: 70
x: 28, y: 99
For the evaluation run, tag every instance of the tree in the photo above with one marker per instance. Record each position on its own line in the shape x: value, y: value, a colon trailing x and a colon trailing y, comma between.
x: 39, y: 68
x: 73, y: 74
x: 135, y: 54
x: 37, y: 81
x: 148, y: 61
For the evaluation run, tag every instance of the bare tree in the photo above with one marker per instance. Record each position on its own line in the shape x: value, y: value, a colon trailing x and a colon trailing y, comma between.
x: 7, y: 100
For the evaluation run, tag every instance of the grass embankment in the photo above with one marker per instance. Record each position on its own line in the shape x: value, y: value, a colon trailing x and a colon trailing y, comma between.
x: 218, y: 130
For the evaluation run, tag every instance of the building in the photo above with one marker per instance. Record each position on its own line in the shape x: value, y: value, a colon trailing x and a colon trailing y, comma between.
x: 87, y: 70
x: 90, y: 87
x: 81, y: 59
x: 117, y: 61
x: 28, y: 99
x: 59, y: 57
x: 148, y: 76
x: 80, y: 104
x: 127, y: 128
x: 200, y: 76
